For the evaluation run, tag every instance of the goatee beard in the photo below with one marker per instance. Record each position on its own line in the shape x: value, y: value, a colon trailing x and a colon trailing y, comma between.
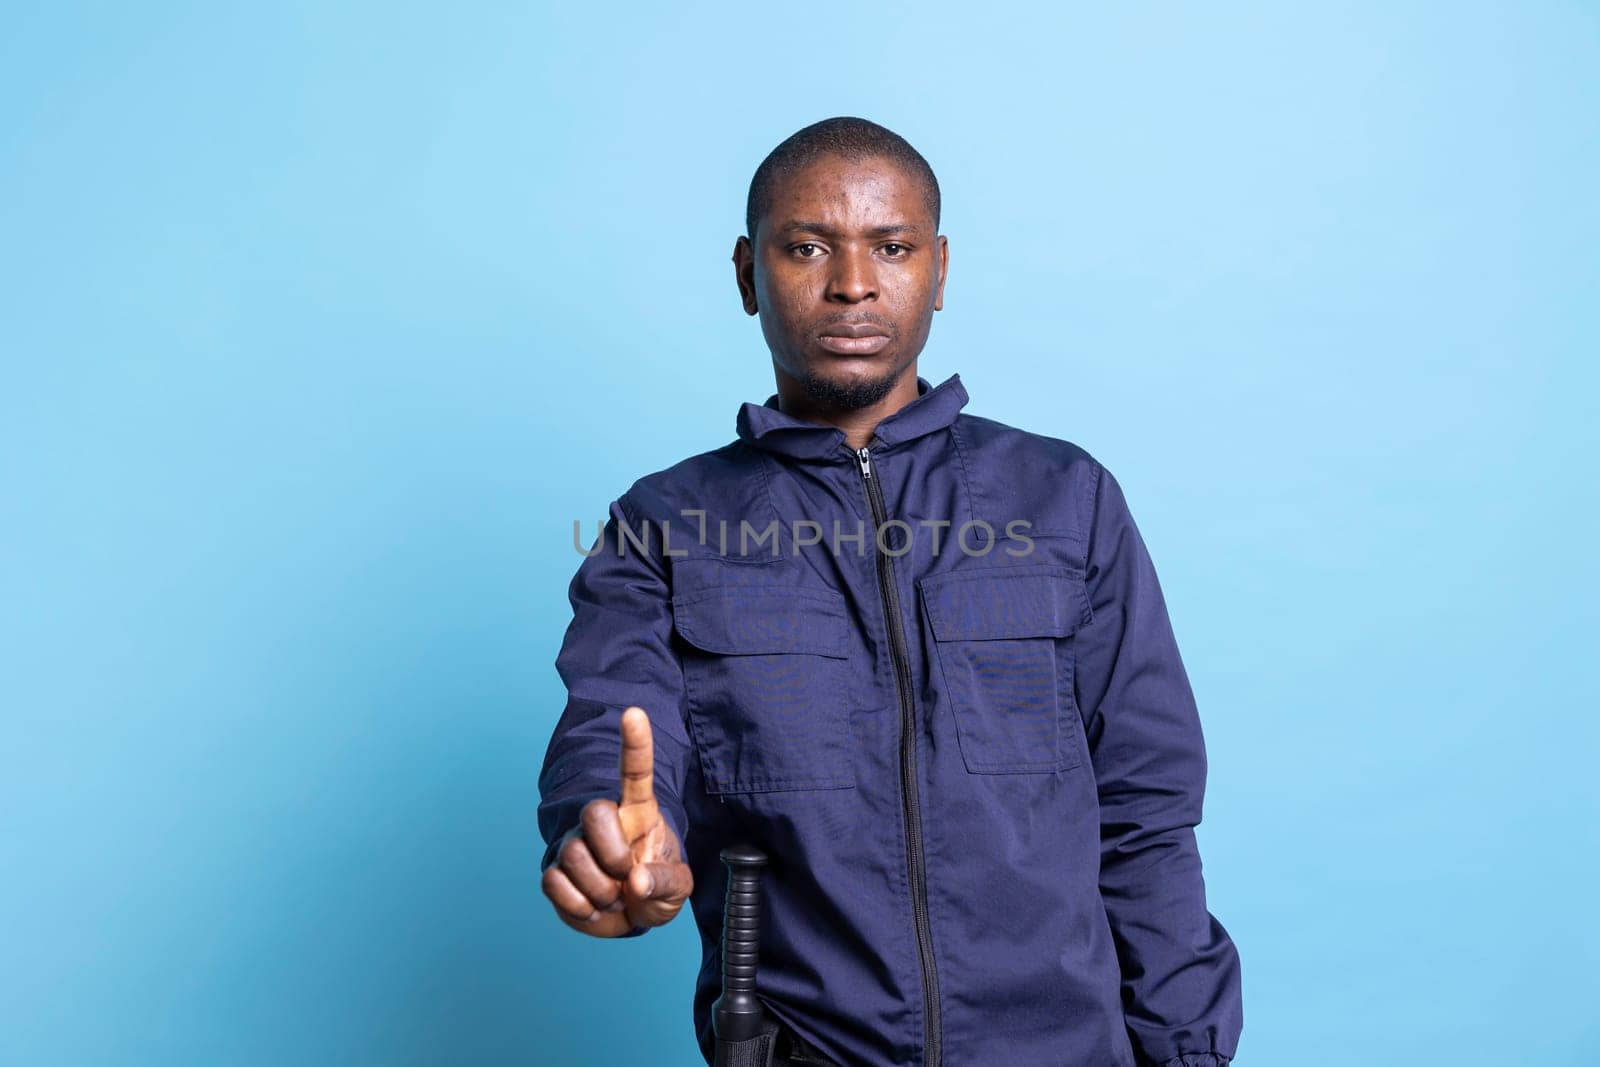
x: 847, y: 396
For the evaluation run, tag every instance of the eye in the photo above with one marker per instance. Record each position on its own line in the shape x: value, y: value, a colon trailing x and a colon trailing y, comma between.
x: 806, y: 250
x: 895, y: 250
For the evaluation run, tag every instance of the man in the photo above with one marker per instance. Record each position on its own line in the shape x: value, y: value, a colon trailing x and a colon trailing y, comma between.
x: 920, y: 658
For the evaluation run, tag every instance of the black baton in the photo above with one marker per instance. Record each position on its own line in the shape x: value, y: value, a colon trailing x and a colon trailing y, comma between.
x: 744, y: 1033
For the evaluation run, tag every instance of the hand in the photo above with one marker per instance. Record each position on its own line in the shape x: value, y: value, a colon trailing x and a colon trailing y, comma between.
x: 621, y: 866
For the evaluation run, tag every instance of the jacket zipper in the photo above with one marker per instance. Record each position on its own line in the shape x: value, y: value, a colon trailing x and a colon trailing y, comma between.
x: 911, y: 808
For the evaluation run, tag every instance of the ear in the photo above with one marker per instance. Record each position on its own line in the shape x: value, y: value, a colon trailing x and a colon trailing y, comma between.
x: 944, y: 269
x: 744, y: 273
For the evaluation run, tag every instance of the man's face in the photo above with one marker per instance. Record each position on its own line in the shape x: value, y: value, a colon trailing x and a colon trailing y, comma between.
x: 846, y: 272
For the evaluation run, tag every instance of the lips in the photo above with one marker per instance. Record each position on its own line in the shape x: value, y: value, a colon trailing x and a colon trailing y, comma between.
x: 854, y: 339
x: 854, y: 346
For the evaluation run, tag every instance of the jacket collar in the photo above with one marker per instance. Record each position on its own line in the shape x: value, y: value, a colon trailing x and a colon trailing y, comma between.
x: 765, y: 426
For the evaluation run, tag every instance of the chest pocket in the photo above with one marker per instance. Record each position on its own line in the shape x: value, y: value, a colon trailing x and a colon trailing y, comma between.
x: 767, y: 688
x: 1003, y: 644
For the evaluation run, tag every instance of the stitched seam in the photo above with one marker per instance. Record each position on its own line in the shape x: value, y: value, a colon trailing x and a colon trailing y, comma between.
x: 1038, y: 570
x: 1021, y: 570
x: 691, y: 706
x: 966, y: 480
x: 732, y: 561
x: 1093, y: 495
x: 1071, y: 753
x: 739, y: 593
x: 627, y: 511
x: 758, y: 785
x: 1086, y: 507
x: 666, y: 580
x: 699, y: 639
x: 772, y: 505
x: 698, y: 636
x: 572, y: 769
x: 944, y: 679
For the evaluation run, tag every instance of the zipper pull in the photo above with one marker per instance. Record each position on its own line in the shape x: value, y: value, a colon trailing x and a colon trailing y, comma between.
x: 865, y: 457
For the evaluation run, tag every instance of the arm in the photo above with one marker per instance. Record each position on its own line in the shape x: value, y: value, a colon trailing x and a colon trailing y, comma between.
x: 1180, y: 971
x: 616, y: 653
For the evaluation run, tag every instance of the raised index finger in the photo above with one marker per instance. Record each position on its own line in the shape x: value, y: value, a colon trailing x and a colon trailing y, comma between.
x: 638, y: 759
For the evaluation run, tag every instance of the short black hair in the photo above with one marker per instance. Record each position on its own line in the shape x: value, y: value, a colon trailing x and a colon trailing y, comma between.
x: 852, y: 138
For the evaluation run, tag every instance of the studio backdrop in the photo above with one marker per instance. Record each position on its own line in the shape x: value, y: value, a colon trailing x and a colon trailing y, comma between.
x: 323, y: 323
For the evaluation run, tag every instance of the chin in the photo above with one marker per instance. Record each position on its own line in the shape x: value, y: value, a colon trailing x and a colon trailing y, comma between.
x: 833, y: 381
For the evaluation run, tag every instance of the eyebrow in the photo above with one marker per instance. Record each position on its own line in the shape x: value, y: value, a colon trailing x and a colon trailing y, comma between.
x: 800, y: 225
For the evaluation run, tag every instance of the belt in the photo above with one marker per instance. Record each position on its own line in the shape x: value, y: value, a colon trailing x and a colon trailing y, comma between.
x: 774, y: 1045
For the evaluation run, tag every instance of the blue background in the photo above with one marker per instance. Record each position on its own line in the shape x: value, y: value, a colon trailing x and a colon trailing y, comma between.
x: 321, y: 326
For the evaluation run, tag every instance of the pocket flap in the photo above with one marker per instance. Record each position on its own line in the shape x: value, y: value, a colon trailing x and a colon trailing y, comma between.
x: 998, y: 603
x: 749, y: 622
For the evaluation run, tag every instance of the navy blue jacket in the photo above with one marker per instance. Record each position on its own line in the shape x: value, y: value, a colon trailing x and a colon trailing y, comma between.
x: 968, y: 744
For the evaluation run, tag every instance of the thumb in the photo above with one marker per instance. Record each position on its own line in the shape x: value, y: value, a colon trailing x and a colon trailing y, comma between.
x: 653, y: 893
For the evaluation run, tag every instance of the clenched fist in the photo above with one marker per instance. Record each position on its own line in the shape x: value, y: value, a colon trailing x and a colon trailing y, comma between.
x: 621, y: 866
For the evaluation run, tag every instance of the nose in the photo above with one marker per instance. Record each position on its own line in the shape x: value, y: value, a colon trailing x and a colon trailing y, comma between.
x: 853, y: 278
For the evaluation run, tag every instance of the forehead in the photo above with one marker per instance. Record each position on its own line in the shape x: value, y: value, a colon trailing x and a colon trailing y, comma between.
x: 850, y: 193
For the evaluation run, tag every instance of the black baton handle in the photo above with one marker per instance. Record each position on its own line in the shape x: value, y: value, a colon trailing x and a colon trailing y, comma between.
x: 738, y: 1014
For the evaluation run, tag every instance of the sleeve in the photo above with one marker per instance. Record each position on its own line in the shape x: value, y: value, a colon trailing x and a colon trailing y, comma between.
x: 617, y: 652
x: 1180, y: 970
